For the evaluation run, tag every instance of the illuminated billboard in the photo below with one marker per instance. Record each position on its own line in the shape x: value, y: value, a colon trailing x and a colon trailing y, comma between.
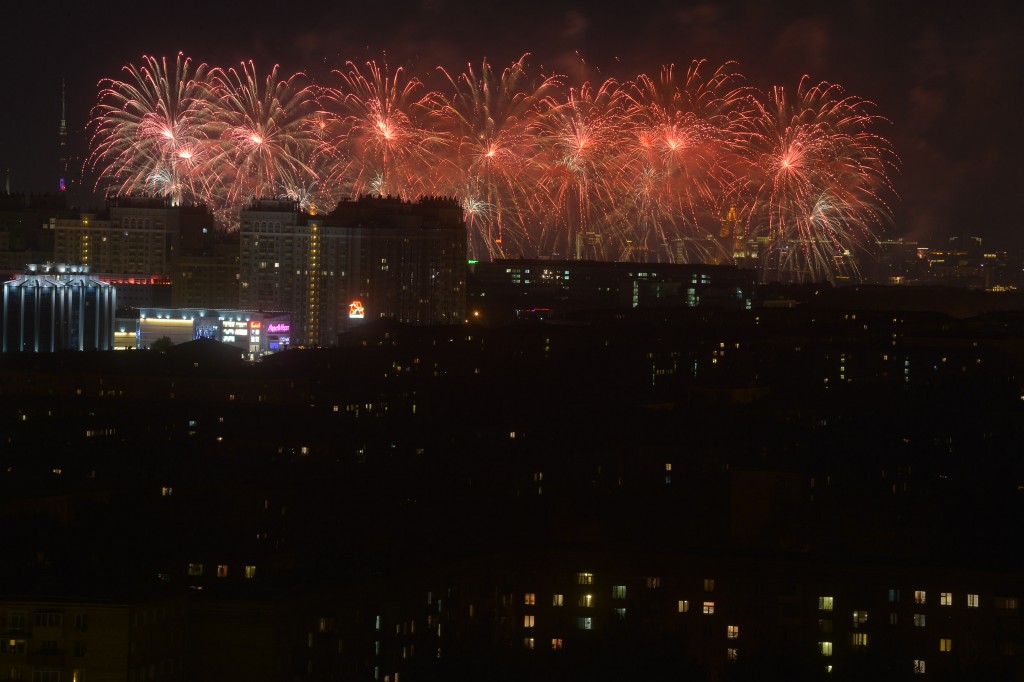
x: 355, y: 310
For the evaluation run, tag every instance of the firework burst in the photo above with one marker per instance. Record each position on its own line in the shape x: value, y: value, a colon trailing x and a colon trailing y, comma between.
x: 493, y: 154
x: 148, y: 130
x: 265, y: 133
x: 680, y: 133
x: 812, y: 175
x: 580, y: 138
x: 377, y: 141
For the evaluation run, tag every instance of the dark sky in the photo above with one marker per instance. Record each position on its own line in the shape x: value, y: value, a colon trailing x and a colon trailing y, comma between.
x: 948, y: 77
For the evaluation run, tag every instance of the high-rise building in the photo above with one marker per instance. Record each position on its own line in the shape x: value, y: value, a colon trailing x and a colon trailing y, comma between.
x: 368, y: 259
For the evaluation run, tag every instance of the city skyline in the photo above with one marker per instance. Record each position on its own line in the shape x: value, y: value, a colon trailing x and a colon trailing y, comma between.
x: 943, y: 78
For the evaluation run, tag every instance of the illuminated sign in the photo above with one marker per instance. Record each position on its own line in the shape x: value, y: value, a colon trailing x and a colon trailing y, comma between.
x: 255, y: 324
x: 355, y: 310
x: 279, y: 328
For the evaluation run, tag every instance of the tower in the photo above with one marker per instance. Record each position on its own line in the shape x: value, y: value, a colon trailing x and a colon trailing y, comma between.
x: 62, y: 150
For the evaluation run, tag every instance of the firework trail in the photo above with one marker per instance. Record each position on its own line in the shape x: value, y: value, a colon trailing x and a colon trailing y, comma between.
x: 812, y: 176
x: 148, y: 130
x: 264, y: 135
x: 377, y: 140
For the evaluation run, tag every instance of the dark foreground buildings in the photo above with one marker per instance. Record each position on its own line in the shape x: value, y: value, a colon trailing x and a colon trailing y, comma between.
x: 803, y: 490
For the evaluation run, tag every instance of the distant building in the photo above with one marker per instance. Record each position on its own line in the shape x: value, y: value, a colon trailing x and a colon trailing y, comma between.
x: 58, y: 307
x: 368, y: 259
x: 144, y: 240
x: 520, y: 287
x: 254, y: 333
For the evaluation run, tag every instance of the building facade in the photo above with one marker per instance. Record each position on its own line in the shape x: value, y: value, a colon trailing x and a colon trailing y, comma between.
x: 368, y: 259
x: 58, y: 307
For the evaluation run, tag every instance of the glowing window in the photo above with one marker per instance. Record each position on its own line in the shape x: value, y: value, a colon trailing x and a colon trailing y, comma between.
x: 825, y: 603
x: 709, y: 607
x: 825, y: 648
x: 732, y: 631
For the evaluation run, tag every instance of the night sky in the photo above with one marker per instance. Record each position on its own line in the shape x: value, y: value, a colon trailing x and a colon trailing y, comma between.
x: 948, y: 77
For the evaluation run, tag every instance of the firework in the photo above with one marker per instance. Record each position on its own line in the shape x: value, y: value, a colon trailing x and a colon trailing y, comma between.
x: 376, y: 139
x: 493, y: 157
x: 265, y: 135
x: 148, y: 130
x: 684, y: 166
x: 812, y: 175
x: 581, y: 140
x: 679, y: 137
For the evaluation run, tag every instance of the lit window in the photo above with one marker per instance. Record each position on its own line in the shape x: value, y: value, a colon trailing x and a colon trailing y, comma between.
x: 709, y: 584
x: 894, y: 596
x: 618, y: 592
x: 528, y: 642
x: 825, y: 648
x: 945, y: 598
x: 250, y: 571
x: 919, y: 666
x: 859, y: 639
x: 556, y: 643
x: 684, y: 605
x: 1006, y: 602
x: 825, y: 603
x: 585, y: 578
x: 557, y: 600
x: 195, y: 569
x: 709, y: 607
x: 585, y: 600
x: 167, y: 491
x: 620, y: 613
x: 732, y: 654
x: 945, y: 644
x: 919, y: 620
x: 652, y: 582
x: 529, y: 598
x: 919, y: 597
x: 222, y: 571
x: 859, y: 618
x: 732, y: 631
x: 972, y: 601
x: 585, y: 623
x: 528, y: 621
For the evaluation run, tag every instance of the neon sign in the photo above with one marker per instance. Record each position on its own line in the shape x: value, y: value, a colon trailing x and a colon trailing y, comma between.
x: 278, y: 328
x: 355, y: 310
